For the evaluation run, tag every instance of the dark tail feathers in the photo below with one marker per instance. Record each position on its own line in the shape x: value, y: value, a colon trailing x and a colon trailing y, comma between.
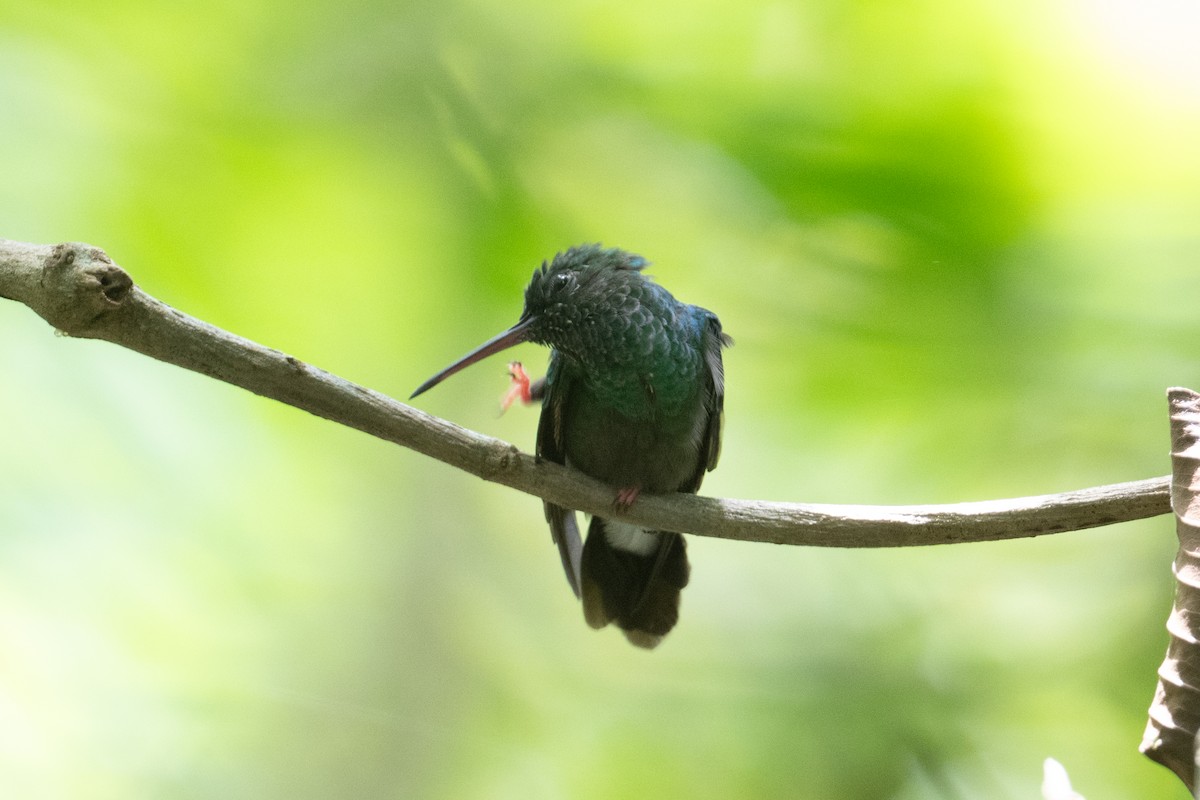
x: 632, y: 577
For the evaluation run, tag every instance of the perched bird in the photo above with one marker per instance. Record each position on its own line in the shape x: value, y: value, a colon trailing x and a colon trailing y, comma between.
x: 633, y: 397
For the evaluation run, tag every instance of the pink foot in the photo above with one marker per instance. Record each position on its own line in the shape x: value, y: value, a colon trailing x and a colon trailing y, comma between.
x: 626, y: 497
x: 519, y: 390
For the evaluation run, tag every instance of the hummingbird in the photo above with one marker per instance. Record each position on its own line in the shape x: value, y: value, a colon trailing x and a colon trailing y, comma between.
x: 633, y: 397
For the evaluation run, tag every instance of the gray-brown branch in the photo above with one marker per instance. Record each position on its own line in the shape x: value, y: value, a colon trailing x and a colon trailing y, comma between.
x: 81, y: 292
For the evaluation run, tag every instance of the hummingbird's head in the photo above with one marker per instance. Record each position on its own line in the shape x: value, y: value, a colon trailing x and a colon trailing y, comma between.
x: 575, y: 289
x: 567, y: 303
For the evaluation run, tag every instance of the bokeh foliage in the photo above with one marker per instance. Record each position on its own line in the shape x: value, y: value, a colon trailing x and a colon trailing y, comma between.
x: 956, y: 245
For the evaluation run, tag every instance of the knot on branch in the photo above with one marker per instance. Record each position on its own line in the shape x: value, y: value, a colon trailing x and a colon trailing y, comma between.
x: 80, y: 283
x: 498, y: 460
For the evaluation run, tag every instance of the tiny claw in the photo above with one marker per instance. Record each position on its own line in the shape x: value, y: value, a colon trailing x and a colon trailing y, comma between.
x: 626, y: 497
x: 519, y: 389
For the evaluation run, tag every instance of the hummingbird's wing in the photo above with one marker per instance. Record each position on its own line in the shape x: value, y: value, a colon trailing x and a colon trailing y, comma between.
x: 563, y: 527
x: 714, y: 400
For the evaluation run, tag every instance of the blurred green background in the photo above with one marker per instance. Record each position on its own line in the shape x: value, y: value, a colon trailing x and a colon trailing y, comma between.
x: 956, y: 245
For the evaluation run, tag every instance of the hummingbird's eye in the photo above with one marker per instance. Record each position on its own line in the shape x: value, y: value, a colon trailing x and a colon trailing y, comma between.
x: 563, y: 281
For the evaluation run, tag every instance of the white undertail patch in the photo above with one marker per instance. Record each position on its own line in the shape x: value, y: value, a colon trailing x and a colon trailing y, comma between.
x: 630, y: 538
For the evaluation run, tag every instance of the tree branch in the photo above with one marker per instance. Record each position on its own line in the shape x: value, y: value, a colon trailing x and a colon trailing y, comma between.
x: 81, y: 292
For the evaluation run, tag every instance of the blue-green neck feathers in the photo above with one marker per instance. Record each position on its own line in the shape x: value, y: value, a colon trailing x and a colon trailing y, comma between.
x: 635, y: 347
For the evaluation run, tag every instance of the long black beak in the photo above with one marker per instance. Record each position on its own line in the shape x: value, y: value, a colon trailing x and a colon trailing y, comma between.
x: 515, y: 335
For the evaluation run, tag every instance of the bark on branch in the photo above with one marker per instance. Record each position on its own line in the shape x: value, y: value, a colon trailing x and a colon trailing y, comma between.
x: 1171, y: 733
x: 80, y: 291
